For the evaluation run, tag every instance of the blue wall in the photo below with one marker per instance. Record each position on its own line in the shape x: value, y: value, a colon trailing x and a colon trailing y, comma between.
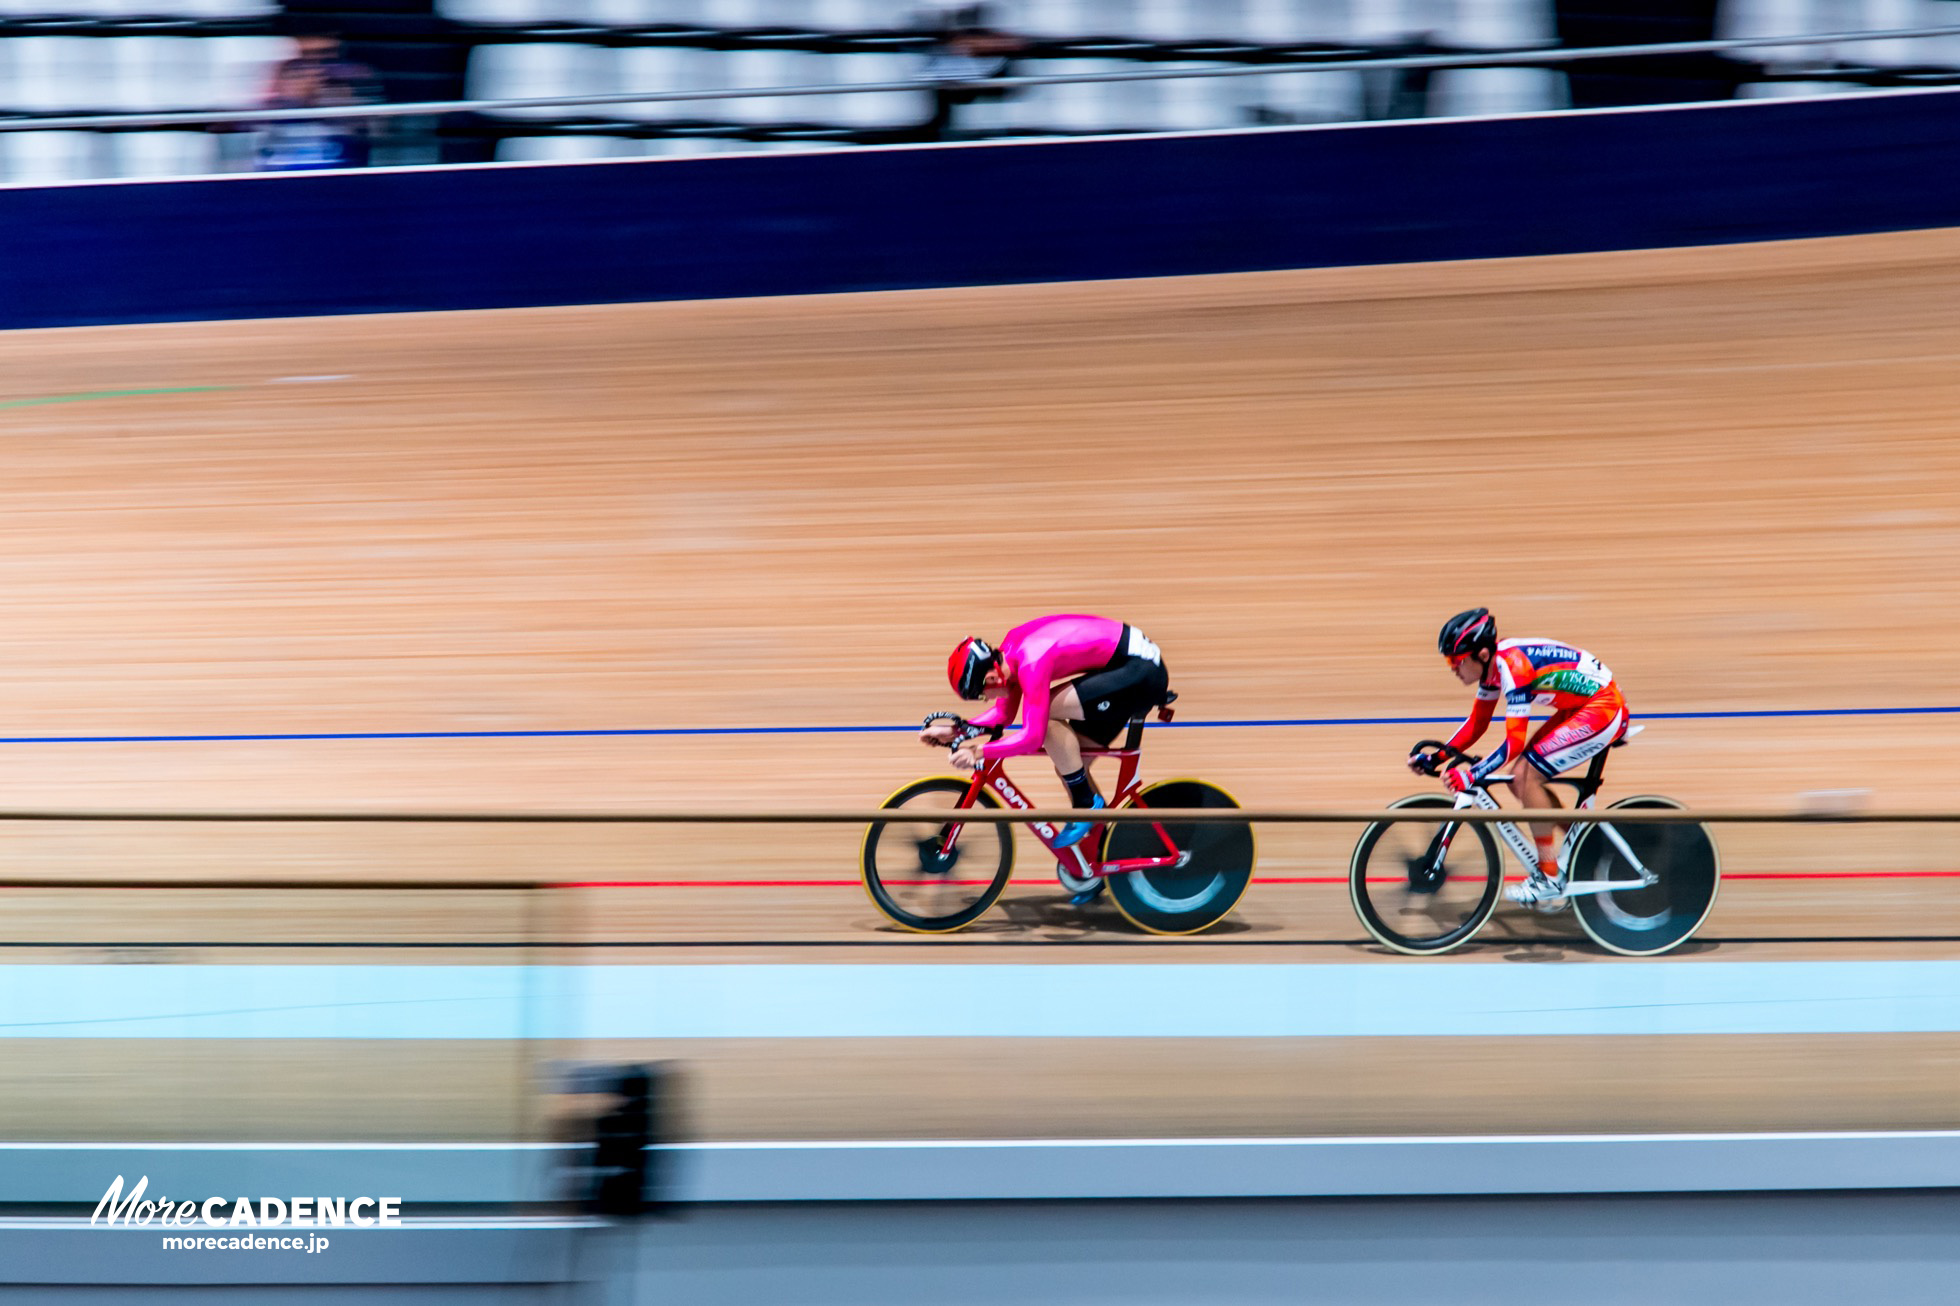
x: 884, y: 219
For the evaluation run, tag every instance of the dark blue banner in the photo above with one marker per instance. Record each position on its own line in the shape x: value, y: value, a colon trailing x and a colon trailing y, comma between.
x: 884, y: 219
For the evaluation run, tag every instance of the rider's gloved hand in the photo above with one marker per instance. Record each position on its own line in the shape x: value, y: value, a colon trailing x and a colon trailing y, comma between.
x: 1457, y: 779
x: 1422, y: 763
x: 940, y: 728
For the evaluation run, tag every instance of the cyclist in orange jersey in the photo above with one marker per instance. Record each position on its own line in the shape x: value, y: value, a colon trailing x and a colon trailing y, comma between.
x: 1588, y: 716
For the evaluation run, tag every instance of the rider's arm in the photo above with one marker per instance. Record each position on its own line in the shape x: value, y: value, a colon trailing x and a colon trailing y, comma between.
x: 1000, y: 711
x: 1517, y: 721
x: 1031, y: 682
x: 1479, y: 721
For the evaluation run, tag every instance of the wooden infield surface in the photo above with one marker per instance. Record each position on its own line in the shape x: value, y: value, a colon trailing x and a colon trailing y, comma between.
x: 425, y: 561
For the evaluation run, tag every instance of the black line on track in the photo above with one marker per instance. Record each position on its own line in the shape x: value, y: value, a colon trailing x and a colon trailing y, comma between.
x: 1845, y: 938
x: 921, y: 943
x: 946, y: 944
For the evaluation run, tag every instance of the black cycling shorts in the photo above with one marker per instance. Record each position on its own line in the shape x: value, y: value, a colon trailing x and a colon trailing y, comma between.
x: 1127, y: 687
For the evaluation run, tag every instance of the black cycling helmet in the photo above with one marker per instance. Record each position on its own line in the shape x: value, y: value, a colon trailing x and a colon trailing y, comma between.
x: 1467, y: 632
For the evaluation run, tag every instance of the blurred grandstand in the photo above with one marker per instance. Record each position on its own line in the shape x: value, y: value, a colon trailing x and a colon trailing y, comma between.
x: 123, y: 56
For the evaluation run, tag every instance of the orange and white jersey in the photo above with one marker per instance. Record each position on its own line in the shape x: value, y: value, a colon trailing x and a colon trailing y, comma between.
x: 1543, y: 673
x: 1529, y: 673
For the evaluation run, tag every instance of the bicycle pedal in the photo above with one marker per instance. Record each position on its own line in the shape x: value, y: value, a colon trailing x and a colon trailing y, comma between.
x: 1540, y: 894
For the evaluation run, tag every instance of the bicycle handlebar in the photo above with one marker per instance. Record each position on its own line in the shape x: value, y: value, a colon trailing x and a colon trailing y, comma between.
x: 964, y: 731
x: 1443, y: 752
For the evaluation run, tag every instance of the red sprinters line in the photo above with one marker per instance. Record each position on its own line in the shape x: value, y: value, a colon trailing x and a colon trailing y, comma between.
x: 1841, y: 875
x: 1310, y: 879
x: 724, y: 884
x: 1257, y: 879
x: 776, y: 884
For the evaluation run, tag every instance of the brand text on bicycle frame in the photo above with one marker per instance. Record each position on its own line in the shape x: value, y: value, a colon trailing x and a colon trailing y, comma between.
x: 1019, y: 803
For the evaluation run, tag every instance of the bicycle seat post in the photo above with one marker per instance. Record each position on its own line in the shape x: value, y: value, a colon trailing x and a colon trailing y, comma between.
x: 1595, y: 776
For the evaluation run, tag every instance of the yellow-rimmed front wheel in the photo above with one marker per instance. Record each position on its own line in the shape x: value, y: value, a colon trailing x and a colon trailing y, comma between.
x: 926, y: 869
x: 1422, y: 887
x: 1215, y: 857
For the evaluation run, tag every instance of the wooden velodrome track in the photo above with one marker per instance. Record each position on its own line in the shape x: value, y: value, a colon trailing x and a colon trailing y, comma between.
x: 1728, y: 471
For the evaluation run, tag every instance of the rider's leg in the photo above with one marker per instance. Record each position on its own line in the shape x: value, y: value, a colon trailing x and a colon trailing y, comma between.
x: 1097, y: 707
x: 1569, y: 738
x: 1529, y: 784
x: 1064, y: 747
x: 1101, y: 705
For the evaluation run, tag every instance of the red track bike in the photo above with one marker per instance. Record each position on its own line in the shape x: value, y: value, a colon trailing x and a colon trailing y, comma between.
x: 931, y: 872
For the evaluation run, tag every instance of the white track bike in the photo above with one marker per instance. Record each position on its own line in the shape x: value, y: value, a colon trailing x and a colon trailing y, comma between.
x: 1424, y: 887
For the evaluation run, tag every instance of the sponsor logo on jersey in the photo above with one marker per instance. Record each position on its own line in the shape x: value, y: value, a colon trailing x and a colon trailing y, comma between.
x: 1567, y: 682
x: 1551, y: 652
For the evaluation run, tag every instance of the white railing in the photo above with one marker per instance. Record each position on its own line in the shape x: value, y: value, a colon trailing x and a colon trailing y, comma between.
x: 1532, y: 57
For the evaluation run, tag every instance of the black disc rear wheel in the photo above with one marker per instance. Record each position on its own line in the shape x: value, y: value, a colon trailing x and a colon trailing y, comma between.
x: 1644, y: 921
x: 1217, y: 861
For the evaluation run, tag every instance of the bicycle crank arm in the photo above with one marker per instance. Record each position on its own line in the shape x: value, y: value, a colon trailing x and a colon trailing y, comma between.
x: 1611, y: 886
x: 1124, y: 865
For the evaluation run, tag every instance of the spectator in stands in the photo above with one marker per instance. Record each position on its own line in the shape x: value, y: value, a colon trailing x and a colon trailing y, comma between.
x: 318, y: 76
x: 966, y: 48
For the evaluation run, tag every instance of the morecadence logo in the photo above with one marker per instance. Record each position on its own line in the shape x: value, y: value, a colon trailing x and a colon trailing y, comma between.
x: 242, y: 1218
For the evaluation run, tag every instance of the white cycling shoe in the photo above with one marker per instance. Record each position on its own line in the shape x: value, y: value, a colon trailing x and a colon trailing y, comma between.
x: 1539, y: 893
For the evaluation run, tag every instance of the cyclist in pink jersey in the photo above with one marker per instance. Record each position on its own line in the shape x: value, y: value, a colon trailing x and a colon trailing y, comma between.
x: 1112, y: 672
x: 1588, y: 716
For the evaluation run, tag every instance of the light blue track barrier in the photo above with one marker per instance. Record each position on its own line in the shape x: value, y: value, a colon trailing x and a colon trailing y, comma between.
x: 976, y: 1001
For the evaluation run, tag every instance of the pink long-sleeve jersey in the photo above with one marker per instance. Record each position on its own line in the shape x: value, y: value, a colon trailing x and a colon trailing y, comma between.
x: 1035, y: 655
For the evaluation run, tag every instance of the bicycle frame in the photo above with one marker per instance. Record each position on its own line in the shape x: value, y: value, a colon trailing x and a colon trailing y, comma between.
x: 1073, y: 863
x: 1525, y: 850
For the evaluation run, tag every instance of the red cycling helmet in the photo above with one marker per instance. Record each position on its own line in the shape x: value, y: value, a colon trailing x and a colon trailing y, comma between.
x: 967, y: 669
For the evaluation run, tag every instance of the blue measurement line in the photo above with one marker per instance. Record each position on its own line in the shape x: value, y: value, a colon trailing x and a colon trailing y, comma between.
x: 654, y: 731
x: 657, y: 732
x: 1799, y: 711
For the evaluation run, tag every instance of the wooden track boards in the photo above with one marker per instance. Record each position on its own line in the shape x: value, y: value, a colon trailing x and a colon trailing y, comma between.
x: 1728, y: 471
